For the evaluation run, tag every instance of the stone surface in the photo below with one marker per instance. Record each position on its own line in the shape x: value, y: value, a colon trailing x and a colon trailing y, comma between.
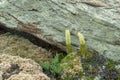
x: 17, y: 68
x: 50, y: 18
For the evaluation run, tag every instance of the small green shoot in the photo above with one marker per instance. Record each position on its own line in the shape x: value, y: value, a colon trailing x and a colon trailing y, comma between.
x: 83, y: 45
x: 68, y: 41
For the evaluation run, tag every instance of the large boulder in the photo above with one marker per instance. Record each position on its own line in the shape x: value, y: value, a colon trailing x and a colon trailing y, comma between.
x: 48, y: 19
x: 17, y: 68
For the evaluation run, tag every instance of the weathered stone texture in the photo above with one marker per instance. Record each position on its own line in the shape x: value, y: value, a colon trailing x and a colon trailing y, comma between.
x: 99, y: 25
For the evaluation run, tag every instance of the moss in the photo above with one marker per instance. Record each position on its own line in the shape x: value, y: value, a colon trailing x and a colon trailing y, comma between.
x: 118, y: 77
x: 19, y: 46
x: 91, y: 77
x: 71, y: 66
x: 119, y: 74
x: 110, y: 64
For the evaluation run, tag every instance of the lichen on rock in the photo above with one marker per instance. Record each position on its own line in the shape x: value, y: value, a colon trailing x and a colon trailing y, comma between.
x: 17, y: 68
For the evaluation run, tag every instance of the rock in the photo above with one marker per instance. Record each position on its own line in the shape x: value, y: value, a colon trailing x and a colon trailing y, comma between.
x: 117, y: 67
x: 48, y: 20
x: 17, y: 68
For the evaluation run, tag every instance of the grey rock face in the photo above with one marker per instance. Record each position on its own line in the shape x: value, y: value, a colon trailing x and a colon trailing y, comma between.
x: 99, y: 25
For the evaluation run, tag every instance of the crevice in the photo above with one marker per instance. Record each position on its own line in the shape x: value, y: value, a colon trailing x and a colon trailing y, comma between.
x: 35, y: 40
x: 2, y: 31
